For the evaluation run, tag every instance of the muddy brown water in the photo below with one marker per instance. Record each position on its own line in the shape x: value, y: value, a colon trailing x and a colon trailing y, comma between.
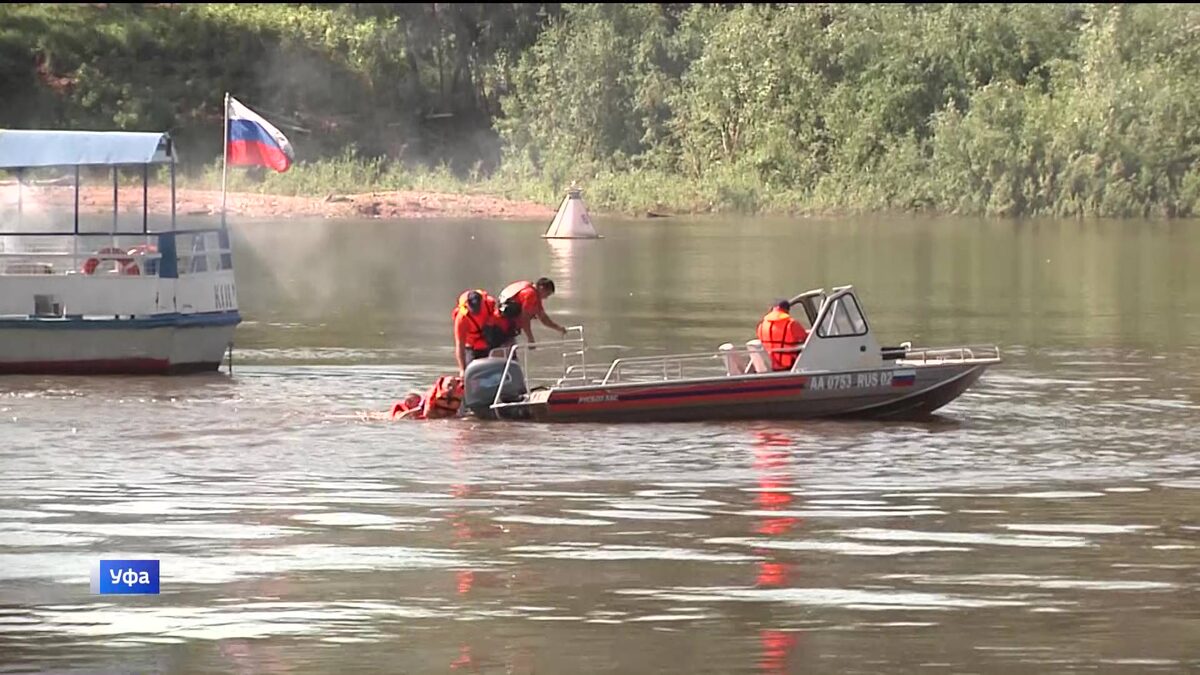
x: 1045, y: 522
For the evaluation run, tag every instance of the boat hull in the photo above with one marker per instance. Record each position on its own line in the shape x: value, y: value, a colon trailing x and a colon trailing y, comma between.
x: 152, y: 345
x: 889, y: 393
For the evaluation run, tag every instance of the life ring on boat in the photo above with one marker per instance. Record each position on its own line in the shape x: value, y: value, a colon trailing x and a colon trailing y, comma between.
x: 127, y: 263
x: 142, y: 250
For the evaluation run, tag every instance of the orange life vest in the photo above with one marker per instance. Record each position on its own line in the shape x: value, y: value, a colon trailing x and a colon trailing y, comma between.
x: 401, y: 407
x: 779, y: 330
x: 444, y: 397
x: 475, y: 338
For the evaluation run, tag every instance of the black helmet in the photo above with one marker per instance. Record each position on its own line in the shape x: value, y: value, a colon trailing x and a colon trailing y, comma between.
x: 474, y: 301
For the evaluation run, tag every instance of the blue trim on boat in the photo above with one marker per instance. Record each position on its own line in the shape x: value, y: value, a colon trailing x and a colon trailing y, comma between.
x: 172, y: 319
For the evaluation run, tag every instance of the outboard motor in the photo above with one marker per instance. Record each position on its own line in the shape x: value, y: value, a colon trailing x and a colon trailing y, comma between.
x: 481, y: 380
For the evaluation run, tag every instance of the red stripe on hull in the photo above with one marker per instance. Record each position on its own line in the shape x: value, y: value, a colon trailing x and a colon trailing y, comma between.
x: 733, y: 395
x: 104, y: 367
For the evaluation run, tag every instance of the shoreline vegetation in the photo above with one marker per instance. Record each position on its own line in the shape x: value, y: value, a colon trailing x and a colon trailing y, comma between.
x: 493, y: 110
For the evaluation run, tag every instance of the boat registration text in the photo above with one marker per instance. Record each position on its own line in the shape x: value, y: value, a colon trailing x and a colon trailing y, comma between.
x: 850, y: 381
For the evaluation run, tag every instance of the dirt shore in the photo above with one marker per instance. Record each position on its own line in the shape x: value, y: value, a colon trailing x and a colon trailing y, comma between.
x: 401, y: 204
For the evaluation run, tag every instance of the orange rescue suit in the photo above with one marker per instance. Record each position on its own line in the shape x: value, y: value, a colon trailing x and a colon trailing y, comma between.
x: 469, y: 327
x: 779, y: 330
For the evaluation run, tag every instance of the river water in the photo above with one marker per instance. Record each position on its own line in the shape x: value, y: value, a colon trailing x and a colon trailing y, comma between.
x: 1048, y: 521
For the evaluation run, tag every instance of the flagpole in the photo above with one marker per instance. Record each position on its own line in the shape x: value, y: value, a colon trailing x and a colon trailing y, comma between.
x: 225, y: 158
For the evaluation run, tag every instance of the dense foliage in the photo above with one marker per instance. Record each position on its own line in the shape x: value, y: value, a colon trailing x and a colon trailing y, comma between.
x: 1000, y: 109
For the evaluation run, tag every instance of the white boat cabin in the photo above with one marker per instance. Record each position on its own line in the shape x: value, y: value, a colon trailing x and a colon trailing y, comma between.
x: 97, y: 297
x: 839, y: 337
x: 51, y: 268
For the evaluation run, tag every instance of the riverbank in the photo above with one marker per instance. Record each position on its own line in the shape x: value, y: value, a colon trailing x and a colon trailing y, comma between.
x: 401, y: 204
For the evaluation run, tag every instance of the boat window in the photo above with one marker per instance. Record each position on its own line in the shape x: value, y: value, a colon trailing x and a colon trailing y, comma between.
x: 223, y: 245
x: 199, y: 261
x: 812, y: 306
x: 843, y: 319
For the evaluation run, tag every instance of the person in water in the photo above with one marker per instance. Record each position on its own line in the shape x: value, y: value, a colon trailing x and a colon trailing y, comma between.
x: 781, y: 335
x: 444, y: 399
x: 409, y: 407
x: 531, y: 296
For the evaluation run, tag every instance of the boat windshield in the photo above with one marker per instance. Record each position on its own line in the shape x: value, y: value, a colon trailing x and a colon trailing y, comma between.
x: 842, y: 319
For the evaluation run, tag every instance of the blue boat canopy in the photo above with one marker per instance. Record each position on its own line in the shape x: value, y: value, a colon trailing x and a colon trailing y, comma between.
x: 21, y: 149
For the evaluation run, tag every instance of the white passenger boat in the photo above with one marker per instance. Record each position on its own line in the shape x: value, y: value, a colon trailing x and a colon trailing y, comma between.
x: 121, y: 301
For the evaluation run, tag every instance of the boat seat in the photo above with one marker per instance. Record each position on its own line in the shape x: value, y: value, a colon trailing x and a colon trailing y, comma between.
x: 760, y: 361
x: 735, y: 363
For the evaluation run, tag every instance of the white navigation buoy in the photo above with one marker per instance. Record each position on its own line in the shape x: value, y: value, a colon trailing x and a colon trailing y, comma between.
x: 572, y: 220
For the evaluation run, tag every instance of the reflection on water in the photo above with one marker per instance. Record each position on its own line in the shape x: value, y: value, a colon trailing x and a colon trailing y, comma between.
x: 564, y: 263
x: 1045, y: 522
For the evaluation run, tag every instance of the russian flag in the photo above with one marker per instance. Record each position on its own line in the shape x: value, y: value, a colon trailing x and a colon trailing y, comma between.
x: 254, y: 141
x: 903, y: 378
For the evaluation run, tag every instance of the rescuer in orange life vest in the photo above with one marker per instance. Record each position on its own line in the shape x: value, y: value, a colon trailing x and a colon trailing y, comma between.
x: 778, y: 330
x: 474, y: 312
x: 530, y: 296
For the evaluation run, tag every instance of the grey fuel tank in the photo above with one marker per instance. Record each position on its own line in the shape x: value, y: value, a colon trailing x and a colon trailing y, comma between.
x: 481, y: 380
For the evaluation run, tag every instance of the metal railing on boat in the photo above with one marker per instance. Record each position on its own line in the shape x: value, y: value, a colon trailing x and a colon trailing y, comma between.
x: 36, y: 256
x: 669, y: 367
x: 634, y: 368
x: 575, y: 346
x: 960, y: 354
